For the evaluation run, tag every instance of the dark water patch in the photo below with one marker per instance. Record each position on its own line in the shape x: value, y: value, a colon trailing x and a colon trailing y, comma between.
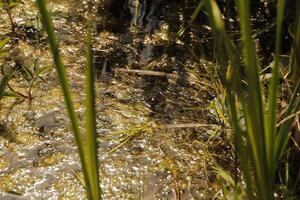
x: 149, y: 52
x: 154, y: 92
x: 105, y: 63
x: 145, y: 15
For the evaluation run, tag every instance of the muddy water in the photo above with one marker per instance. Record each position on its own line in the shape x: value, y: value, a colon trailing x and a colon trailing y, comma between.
x: 152, y: 144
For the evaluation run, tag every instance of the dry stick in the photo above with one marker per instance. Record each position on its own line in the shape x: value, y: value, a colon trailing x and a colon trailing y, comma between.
x: 188, y: 125
x: 147, y: 72
x: 191, y: 79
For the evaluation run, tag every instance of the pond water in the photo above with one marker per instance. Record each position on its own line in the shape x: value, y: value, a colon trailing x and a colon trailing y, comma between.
x: 155, y: 130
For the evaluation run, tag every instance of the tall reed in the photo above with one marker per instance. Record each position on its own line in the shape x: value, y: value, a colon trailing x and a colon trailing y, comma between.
x: 87, y: 153
x: 260, y: 144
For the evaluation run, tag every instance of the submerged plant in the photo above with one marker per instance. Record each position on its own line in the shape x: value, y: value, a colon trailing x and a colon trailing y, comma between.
x: 88, y: 152
x: 31, y: 75
x: 260, y: 138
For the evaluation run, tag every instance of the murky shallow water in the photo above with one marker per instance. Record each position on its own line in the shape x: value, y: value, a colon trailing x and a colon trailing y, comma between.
x: 151, y: 142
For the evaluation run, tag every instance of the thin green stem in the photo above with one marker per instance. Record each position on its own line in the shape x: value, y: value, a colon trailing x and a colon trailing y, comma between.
x: 61, y: 72
x: 90, y: 121
x: 273, y: 91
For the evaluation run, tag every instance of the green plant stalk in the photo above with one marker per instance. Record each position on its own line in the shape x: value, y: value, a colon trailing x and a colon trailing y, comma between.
x: 225, y: 50
x: 294, y: 102
x: 196, y: 11
x: 217, y: 25
x: 61, y: 72
x: 240, y: 148
x: 193, y: 18
x: 260, y: 148
x: 273, y: 94
x: 254, y: 113
x: 90, y: 123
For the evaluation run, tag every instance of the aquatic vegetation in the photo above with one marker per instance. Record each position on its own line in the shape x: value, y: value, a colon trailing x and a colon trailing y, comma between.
x: 30, y: 74
x: 262, y: 141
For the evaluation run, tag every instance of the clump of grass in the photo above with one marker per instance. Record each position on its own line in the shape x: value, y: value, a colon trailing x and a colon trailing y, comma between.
x: 87, y: 153
x: 261, y: 142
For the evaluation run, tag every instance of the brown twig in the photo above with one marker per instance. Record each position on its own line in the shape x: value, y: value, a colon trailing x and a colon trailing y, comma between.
x: 146, y: 72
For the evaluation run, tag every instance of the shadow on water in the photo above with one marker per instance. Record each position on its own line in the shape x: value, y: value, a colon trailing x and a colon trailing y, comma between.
x: 139, y: 22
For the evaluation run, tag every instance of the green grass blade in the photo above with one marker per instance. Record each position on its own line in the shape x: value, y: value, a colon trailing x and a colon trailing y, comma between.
x: 61, y: 72
x: 294, y: 103
x: 258, y: 148
x: 196, y: 11
x: 242, y: 150
x: 217, y: 26
x: 253, y: 106
x: 229, y: 61
x: 90, y: 123
x: 193, y: 18
x: 273, y: 90
x: 3, y: 43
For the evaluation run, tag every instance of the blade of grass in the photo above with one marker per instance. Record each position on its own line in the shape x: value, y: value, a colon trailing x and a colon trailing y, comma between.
x: 273, y: 91
x: 3, y: 42
x: 258, y: 148
x: 254, y: 113
x: 90, y: 122
x: 196, y: 11
x: 193, y: 18
x: 61, y: 72
x: 231, y: 84
x: 294, y: 103
x: 217, y: 26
